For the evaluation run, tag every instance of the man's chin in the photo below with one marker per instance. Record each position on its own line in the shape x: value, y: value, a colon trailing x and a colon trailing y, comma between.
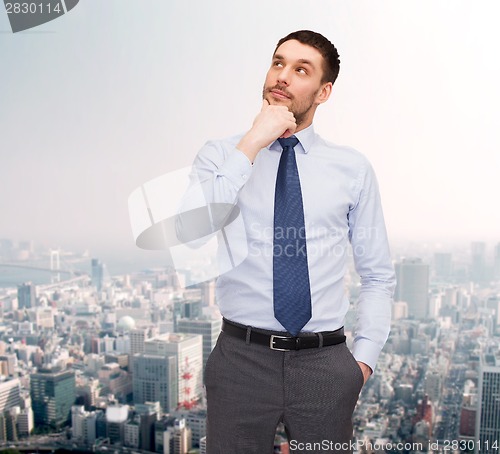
x: 276, y: 101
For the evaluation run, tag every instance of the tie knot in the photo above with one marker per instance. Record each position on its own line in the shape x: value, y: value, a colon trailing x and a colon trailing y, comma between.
x: 288, y: 142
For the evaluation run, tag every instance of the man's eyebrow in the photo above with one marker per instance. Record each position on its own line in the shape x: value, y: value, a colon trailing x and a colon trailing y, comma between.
x: 302, y: 61
x: 306, y: 62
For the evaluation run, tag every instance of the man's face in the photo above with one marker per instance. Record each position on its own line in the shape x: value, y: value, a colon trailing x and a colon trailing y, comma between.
x: 294, y: 79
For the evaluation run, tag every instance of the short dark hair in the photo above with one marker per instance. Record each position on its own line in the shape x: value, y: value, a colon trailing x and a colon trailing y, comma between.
x: 331, y: 62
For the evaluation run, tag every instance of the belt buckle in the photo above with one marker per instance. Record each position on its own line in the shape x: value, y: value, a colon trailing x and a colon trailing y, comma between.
x: 271, y: 343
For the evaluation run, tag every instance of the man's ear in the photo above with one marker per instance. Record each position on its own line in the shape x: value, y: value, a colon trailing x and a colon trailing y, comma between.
x: 324, y: 93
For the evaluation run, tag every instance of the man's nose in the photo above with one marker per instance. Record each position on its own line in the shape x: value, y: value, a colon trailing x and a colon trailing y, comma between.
x: 284, y: 76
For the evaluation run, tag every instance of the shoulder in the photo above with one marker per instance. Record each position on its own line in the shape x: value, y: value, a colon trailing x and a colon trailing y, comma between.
x: 344, y: 154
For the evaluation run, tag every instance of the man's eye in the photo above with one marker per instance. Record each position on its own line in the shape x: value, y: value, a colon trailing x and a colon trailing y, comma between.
x: 301, y: 70
x: 278, y: 63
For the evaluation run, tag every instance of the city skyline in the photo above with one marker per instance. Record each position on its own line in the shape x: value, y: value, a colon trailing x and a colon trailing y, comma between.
x: 429, y: 391
x: 87, y: 119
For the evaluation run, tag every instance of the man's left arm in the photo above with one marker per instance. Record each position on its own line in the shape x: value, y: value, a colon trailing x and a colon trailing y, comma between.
x: 372, y: 260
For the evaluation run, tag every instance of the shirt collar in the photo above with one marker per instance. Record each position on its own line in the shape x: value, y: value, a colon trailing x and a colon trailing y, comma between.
x: 306, y: 139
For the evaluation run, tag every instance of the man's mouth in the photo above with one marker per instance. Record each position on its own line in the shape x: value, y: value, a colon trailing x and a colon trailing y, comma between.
x: 279, y: 94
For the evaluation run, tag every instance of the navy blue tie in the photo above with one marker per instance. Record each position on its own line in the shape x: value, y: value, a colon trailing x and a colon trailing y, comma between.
x: 291, y: 288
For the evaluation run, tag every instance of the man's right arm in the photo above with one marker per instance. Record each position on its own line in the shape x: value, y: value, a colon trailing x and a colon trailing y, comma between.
x: 223, y: 175
x: 217, y: 175
x: 271, y: 123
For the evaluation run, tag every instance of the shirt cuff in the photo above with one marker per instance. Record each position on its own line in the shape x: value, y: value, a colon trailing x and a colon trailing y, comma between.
x: 236, y: 168
x: 366, y: 351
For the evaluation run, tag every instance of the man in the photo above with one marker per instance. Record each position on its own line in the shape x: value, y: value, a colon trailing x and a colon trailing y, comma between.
x: 281, y: 356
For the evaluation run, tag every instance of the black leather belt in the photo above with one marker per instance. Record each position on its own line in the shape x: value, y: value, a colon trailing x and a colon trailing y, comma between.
x: 280, y: 341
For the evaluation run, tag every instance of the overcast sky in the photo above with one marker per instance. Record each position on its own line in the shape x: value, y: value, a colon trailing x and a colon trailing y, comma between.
x: 118, y: 92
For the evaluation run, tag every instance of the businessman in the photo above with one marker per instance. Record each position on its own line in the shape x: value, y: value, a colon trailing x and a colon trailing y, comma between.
x: 282, y: 356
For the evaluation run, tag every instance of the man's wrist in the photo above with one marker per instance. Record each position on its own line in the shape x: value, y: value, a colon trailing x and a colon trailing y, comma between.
x: 366, y: 370
x: 249, y: 146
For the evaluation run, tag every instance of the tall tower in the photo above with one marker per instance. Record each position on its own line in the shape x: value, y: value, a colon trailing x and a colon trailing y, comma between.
x: 97, y: 274
x: 26, y: 295
x: 413, y: 286
x: 488, y: 415
x: 478, y: 261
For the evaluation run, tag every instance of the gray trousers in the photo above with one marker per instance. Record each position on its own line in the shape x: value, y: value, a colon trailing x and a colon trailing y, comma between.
x: 251, y: 388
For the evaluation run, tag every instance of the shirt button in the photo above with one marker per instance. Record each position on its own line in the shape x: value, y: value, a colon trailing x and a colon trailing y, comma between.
x: 244, y: 177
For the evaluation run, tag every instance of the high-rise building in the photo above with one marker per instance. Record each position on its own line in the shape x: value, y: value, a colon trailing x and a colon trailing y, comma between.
x: 155, y: 379
x: 493, y: 304
x: 10, y: 394
x: 186, y: 308
x: 11, y: 423
x: 8, y: 364
x: 188, y: 349
x: 179, y: 437
x: 3, y: 428
x: 169, y: 371
x: 424, y: 413
x: 116, y: 417
x: 496, y: 262
x: 488, y: 415
x: 467, y: 422
x: 413, y: 286
x: 52, y: 394
x: 25, y: 422
x: 137, y: 338
x: 88, y: 389
x: 478, y: 261
x: 148, y: 413
x: 97, y: 274
x: 208, y: 293
x: 196, y: 420
x: 162, y: 443
x: 443, y: 267
x: 83, y: 425
x: 26, y: 296
x: 101, y: 426
x: 203, y: 445
x: 433, y: 384
x: 115, y: 380
x: 77, y: 422
x: 209, y: 329
x: 131, y: 432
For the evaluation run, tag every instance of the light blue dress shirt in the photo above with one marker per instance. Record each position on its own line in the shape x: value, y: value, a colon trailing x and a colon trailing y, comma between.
x: 341, y: 206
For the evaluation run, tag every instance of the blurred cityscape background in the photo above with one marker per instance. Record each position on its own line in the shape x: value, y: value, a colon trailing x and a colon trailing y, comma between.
x: 96, y: 361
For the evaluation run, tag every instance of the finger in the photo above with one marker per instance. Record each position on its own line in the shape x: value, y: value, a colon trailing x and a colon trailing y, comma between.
x: 290, y: 131
x: 265, y: 103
